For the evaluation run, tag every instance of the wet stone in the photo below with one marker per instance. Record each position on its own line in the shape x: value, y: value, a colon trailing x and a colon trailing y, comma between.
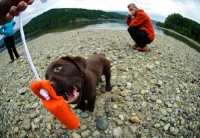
x: 154, y: 98
x: 134, y: 119
x: 102, y: 123
x: 85, y: 134
x: 117, y: 132
x: 85, y: 114
x: 113, y: 99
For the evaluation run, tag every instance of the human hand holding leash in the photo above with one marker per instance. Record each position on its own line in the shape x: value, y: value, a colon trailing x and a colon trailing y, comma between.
x: 11, y: 8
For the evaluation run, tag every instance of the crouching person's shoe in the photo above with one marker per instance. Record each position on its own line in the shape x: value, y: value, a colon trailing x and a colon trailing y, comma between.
x: 135, y: 46
x: 141, y: 48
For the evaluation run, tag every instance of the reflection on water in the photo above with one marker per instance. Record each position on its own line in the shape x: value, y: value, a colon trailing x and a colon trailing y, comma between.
x: 104, y: 24
x: 115, y: 26
x: 158, y: 30
x: 112, y: 26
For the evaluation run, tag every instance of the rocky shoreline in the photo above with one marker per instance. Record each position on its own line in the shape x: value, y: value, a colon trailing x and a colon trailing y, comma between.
x: 155, y: 94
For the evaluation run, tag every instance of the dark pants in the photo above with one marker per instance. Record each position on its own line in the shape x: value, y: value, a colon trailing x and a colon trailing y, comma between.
x: 139, y: 36
x: 10, y: 45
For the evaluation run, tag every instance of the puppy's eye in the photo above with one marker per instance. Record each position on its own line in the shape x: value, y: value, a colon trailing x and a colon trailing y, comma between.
x: 58, y: 68
x: 52, y: 83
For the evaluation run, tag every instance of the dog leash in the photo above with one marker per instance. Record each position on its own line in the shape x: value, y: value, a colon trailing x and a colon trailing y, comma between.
x: 42, y: 91
x: 42, y: 88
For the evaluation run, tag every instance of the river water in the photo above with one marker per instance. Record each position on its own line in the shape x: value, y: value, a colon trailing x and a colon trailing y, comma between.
x: 115, y: 26
x: 104, y: 24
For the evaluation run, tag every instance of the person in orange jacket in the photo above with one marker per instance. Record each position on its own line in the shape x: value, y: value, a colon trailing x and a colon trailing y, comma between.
x: 140, y: 27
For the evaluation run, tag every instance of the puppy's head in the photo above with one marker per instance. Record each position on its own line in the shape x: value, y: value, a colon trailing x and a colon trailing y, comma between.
x: 64, y: 75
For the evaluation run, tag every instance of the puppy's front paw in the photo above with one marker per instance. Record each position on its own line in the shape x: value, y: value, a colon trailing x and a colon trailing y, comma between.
x: 90, y: 108
x: 108, y: 88
x: 81, y: 107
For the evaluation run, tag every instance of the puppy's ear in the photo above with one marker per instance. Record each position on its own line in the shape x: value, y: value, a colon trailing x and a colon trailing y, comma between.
x: 80, y: 62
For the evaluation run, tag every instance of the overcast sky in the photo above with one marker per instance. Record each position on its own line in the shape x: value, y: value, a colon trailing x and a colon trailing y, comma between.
x: 156, y: 9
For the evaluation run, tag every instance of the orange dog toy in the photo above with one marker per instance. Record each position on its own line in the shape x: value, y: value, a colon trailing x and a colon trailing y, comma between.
x: 55, y: 104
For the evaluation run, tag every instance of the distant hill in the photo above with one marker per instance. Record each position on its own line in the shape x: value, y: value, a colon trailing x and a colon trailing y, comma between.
x: 154, y: 22
x: 121, y: 12
x: 63, y: 16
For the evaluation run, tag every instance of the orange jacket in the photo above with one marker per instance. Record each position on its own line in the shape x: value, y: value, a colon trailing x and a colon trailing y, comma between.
x: 143, y: 22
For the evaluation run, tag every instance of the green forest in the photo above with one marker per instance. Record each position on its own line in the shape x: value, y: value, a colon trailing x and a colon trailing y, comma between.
x: 56, y: 17
x: 182, y: 25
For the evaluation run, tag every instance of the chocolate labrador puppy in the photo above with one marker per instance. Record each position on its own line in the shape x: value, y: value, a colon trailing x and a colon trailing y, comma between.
x: 76, y: 78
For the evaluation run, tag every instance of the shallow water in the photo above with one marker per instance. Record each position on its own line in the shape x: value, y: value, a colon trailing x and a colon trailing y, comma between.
x: 104, y: 24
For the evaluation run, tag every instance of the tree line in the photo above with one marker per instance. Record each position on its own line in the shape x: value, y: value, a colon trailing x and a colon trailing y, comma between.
x: 182, y: 25
x: 61, y: 16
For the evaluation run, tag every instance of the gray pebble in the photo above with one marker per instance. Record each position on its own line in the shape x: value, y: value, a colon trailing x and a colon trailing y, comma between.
x: 85, y: 114
x: 102, y: 123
